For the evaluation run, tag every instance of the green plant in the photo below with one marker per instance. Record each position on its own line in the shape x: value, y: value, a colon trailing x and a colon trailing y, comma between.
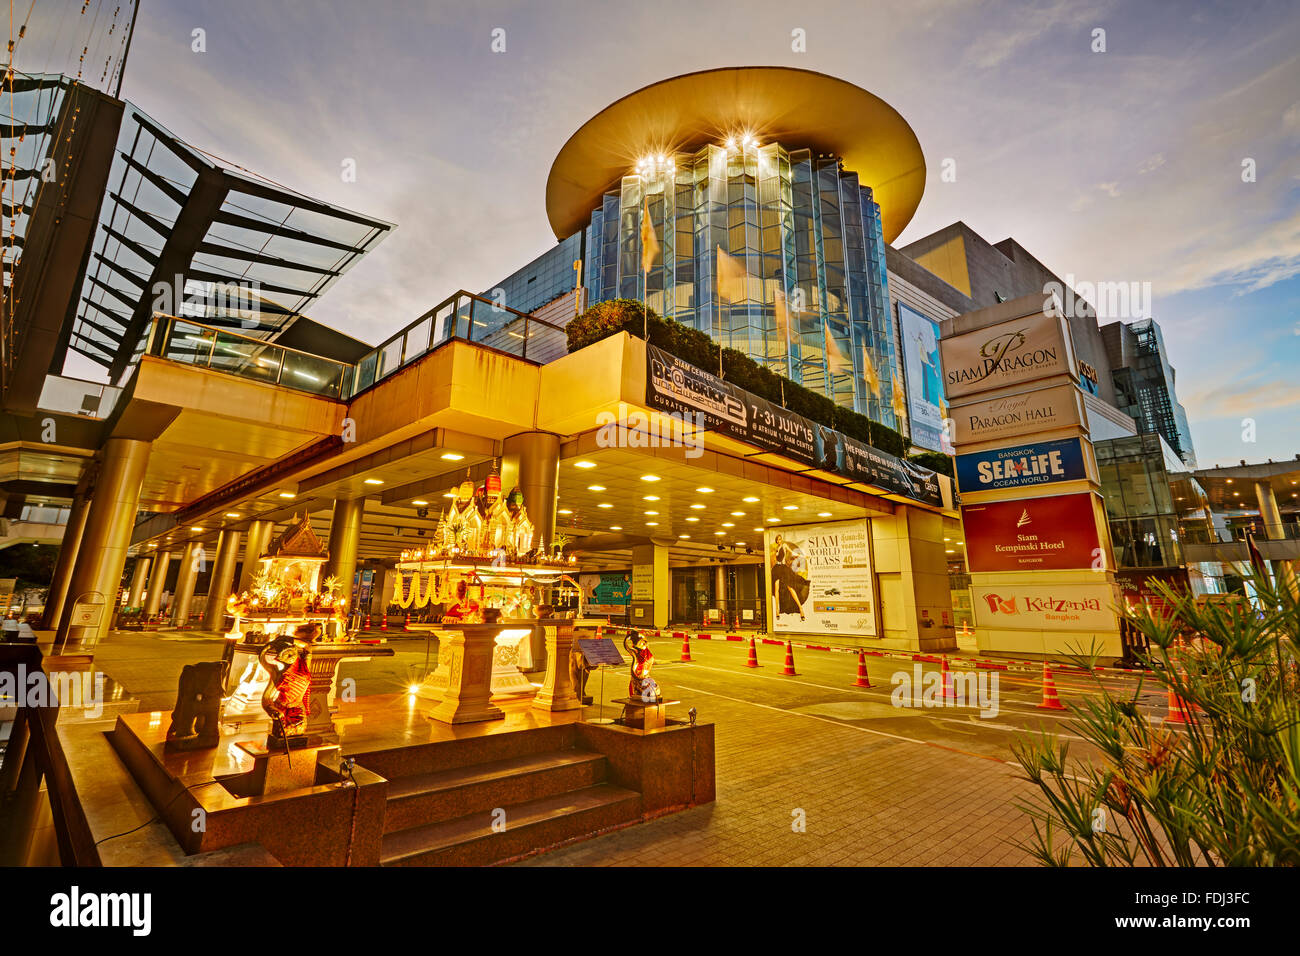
x: 691, y: 345
x: 935, y: 461
x: 1222, y: 789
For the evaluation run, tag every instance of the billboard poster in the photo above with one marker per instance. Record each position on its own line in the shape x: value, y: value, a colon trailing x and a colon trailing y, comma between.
x: 1021, y: 466
x: 1137, y: 585
x: 1008, y: 353
x: 821, y: 579
x: 1035, y: 534
x: 1012, y: 416
x: 606, y: 593
x: 679, y: 388
x: 1072, y: 607
x: 923, y: 376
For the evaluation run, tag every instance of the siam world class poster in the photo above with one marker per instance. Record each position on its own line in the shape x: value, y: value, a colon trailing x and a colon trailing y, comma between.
x: 819, y: 578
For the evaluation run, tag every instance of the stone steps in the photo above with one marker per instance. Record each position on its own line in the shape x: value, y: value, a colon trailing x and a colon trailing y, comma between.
x: 528, y: 826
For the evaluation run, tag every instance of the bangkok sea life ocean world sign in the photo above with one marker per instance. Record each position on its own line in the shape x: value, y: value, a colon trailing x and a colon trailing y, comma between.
x: 1021, y: 466
x: 676, y: 386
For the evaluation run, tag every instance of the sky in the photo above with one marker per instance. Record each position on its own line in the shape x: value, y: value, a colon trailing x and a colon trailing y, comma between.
x: 1170, y: 157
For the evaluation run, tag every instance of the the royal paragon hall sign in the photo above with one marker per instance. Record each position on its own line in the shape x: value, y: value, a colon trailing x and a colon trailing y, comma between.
x: 1009, y: 353
x: 1019, y: 415
x: 679, y: 388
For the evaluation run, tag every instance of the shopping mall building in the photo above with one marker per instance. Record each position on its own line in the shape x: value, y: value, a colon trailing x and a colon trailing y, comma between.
x: 756, y: 206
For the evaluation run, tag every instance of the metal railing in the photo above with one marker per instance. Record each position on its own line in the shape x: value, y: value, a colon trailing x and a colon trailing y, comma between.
x: 471, y: 318
x: 1289, y: 531
x: 193, y: 343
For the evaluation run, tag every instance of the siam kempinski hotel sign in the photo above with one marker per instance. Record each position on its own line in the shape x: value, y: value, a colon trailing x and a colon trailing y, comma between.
x: 1008, y: 353
x: 1013, y: 416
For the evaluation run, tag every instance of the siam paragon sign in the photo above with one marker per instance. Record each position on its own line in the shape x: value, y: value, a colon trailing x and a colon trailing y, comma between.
x: 1009, y: 353
x: 677, y: 387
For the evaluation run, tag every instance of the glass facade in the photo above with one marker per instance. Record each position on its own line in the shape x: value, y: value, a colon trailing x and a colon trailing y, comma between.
x: 798, y: 239
x: 1144, y: 387
x: 543, y: 280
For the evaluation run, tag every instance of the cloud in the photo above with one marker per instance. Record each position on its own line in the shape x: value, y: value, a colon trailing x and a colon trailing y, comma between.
x: 1110, y: 189
x: 1246, y: 397
x: 1151, y: 164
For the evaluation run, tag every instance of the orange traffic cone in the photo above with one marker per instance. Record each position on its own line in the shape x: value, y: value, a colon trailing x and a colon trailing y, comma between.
x: 383, y: 622
x: 1050, y: 700
x: 1178, y: 709
x: 686, y: 648
x: 753, y: 655
x: 949, y: 689
x: 406, y: 625
x: 367, y: 621
x: 863, y: 679
x: 788, y: 670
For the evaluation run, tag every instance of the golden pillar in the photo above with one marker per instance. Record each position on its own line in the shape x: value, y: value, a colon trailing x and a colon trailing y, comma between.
x: 531, y: 462
x: 67, y: 559
x: 257, y: 540
x: 223, y: 576
x: 192, y: 561
x: 97, y: 574
x: 345, y: 542
x: 139, y: 577
x: 157, y: 581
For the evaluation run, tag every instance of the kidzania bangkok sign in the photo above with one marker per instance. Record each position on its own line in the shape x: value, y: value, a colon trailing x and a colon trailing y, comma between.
x: 1034, y: 607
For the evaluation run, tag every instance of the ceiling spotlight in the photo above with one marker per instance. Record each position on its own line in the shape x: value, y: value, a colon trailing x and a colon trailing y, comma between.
x: 584, y: 464
x: 650, y: 498
x: 728, y: 524
x: 452, y: 456
x: 604, y: 504
x: 738, y: 514
x: 374, y: 481
x: 751, y: 500
x: 652, y: 513
x: 692, y: 520
x: 615, y: 527
x: 417, y: 501
x: 704, y: 490
x: 595, y: 487
x: 649, y: 477
x: 791, y: 507
x: 198, y: 529
x: 287, y: 494
x: 232, y: 514
x: 823, y: 514
x: 564, y: 511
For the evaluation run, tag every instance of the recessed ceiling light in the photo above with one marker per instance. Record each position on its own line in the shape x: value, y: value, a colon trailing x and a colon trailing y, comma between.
x: 738, y: 514
x: 719, y: 533
x: 418, y: 502
x: 728, y: 524
x: 692, y: 520
x: 449, y: 494
x: 652, y: 524
x: 823, y: 514
x: 705, y: 490
x: 615, y: 527
x: 584, y: 464
x: 232, y: 514
x: 652, y: 513
x: 564, y: 511
x: 758, y: 529
x: 604, y: 504
x: 751, y: 500
x: 595, y: 487
x: 452, y: 456
x: 650, y: 498
x: 198, y: 529
x: 773, y: 520
x: 374, y: 481
x: 649, y: 477
x: 740, y: 544
x: 949, y: 551
x: 791, y: 507
x: 680, y: 536
x: 287, y: 494
x: 697, y: 507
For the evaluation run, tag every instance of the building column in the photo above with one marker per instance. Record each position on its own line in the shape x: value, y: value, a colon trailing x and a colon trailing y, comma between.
x: 345, y: 541
x: 139, y: 577
x: 649, y: 604
x: 531, y: 462
x: 1269, y: 513
x: 186, y: 576
x: 257, y: 540
x: 97, y: 574
x: 157, y: 581
x: 57, y: 594
x: 720, y: 591
x: 223, y: 576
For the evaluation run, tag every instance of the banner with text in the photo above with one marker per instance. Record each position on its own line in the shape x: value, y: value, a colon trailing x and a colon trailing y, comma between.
x: 677, y: 387
x: 1025, y: 413
x: 1034, y: 534
x: 820, y: 577
x: 1074, y: 607
x: 1008, y: 353
x: 1022, y: 466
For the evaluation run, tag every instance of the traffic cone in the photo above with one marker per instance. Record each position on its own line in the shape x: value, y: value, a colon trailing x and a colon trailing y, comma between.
x: 1050, y: 700
x: 788, y: 670
x: 1177, y: 709
x: 753, y: 655
x: 367, y: 627
x: 406, y: 625
x: 949, y: 689
x: 686, y: 648
x: 863, y: 679
x: 383, y: 621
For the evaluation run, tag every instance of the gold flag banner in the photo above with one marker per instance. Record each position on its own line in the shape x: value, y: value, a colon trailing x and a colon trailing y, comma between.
x: 835, y: 357
x: 869, y: 373
x: 782, y: 316
x: 731, y: 276
x: 649, y: 243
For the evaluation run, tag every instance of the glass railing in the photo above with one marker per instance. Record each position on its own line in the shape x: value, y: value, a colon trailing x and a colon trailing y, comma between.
x: 193, y: 343
x: 1289, y: 531
x: 471, y: 318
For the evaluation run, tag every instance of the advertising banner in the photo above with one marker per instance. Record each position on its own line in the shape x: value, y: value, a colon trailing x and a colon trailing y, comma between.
x: 679, y: 388
x: 821, y: 578
x: 1009, y: 353
x: 1073, y: 607
x: 923, y: 377
x: 1137, y: 585
x: 1054, y: 533
x: 1022, y: 466
x: 606, y: 594
x: 1025, y: 413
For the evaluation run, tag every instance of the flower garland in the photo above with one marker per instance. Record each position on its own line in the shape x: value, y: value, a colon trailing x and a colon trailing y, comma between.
x: 413, y: 598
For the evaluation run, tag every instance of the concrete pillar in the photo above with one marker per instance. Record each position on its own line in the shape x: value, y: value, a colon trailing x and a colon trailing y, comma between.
x: 139, y: 576
x: 720, y: 591
x: 1269, y: 513
x: 186, y: 576
x: 257, y: 540
x: 97, y: 574
x: 649, y: 604
x: 345, y: 540
x: 157, y: 581
x: 531, y: 462
x: 58, y: 592
x: 223, y: 577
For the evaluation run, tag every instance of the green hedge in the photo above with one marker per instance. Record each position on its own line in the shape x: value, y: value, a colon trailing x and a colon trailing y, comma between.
x: 691, y: 345
x: 935, y: 461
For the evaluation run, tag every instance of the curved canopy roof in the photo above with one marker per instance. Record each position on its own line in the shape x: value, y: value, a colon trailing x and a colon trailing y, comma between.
x: 801, y: 109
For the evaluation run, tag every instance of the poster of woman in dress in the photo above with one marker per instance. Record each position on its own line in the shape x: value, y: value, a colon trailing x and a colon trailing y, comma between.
x: 789, y: 585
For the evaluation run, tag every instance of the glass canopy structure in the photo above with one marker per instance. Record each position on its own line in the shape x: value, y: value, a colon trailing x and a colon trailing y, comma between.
x: 183, y: 233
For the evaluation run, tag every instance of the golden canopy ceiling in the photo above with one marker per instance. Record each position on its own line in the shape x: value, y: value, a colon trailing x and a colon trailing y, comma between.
x: 801, y: 109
